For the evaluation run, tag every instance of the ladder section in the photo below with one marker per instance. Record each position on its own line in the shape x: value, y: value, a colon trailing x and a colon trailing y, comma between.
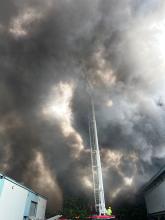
x: 96, y: 165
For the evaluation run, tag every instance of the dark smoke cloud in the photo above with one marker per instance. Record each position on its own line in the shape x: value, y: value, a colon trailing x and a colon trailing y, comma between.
x: 45, y: 47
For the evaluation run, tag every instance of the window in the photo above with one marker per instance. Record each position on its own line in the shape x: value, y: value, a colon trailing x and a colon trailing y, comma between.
x: 33, y: 208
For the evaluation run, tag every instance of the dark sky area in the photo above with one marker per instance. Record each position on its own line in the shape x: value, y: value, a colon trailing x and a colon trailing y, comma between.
x: 46, y: 47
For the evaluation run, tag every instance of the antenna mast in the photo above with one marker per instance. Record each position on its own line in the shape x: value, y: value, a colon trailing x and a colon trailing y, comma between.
x: 96, y: 164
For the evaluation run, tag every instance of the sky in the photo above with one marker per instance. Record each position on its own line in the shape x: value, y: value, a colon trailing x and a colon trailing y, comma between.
x: 46, y: 49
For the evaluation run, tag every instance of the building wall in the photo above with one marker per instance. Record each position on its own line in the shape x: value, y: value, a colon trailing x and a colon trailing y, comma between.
x: 12, y: 201
x: 155, y: 198
x: 15, y: 201
x: 41, y: 208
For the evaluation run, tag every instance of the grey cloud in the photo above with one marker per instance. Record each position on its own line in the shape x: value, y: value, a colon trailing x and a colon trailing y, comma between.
x: 58, y: 46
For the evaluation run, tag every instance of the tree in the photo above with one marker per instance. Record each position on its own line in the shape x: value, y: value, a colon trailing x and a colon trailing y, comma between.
x: 76, y: 208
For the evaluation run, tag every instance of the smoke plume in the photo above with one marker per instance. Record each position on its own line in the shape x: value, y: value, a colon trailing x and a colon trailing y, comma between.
x: 45, y: 49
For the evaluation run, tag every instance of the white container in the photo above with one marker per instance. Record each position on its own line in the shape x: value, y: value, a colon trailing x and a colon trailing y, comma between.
x: 17, y: 202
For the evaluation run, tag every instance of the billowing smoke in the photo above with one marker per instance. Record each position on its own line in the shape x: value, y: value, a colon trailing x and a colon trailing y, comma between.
x: 45, y: 49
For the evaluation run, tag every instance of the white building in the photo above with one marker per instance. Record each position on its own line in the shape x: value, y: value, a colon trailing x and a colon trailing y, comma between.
x: 20, y: 203
x: 155, y: 196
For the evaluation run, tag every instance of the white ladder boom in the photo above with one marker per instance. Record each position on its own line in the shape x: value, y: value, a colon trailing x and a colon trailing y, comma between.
x: 96, y: 165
